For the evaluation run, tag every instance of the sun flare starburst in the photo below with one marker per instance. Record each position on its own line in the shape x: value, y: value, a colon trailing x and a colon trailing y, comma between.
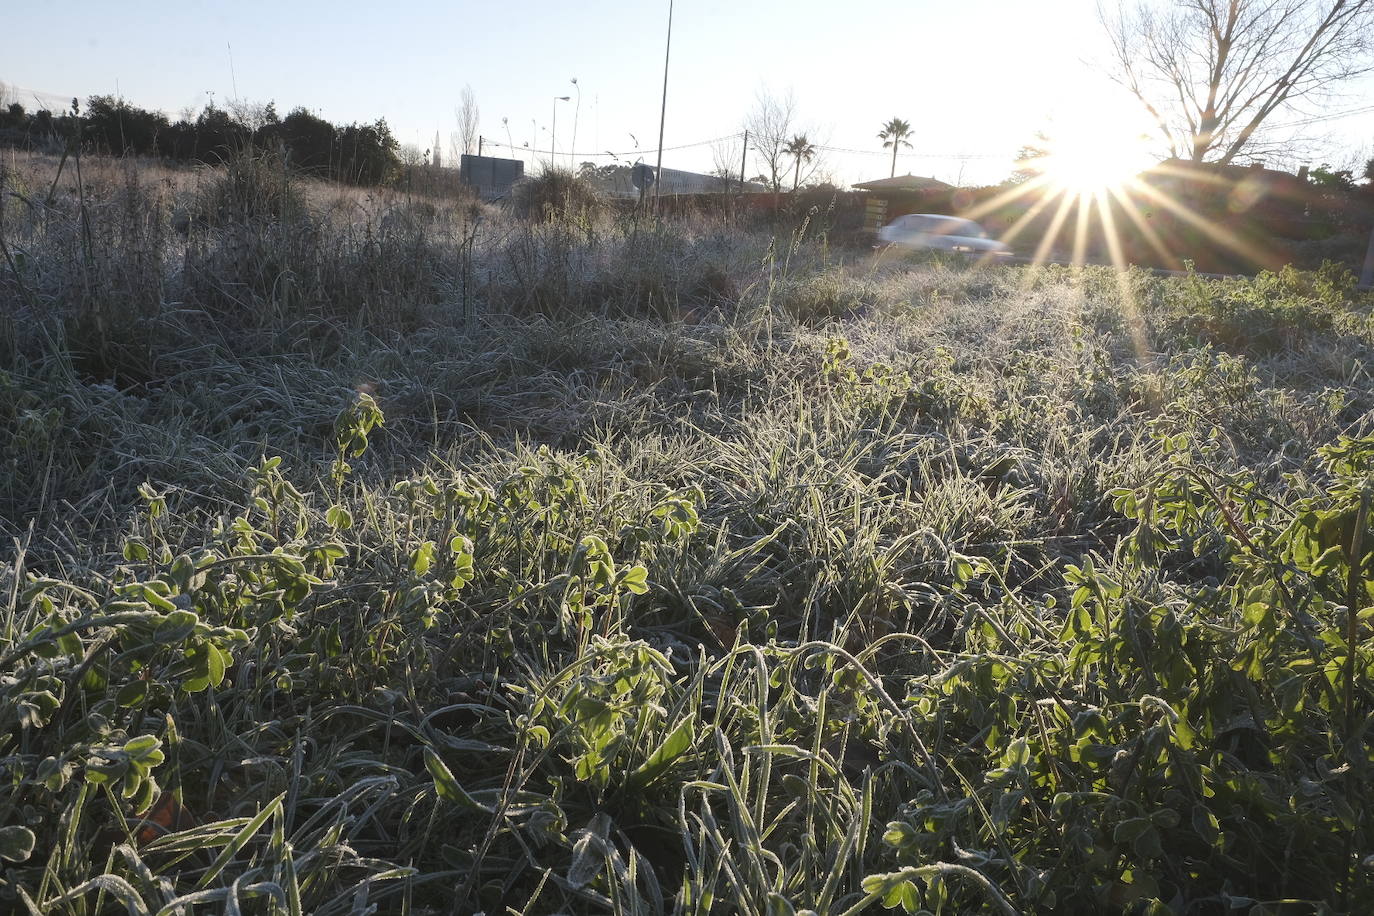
x: 1092, y: 159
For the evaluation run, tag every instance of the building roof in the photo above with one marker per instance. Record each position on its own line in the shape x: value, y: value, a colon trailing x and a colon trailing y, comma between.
x: 905, y: 183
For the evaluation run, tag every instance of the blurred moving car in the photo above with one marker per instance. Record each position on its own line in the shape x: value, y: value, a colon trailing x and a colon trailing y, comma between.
x: 944, y: 233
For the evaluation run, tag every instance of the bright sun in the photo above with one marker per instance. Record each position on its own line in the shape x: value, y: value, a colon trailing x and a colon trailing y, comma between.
x: 1094, y: 159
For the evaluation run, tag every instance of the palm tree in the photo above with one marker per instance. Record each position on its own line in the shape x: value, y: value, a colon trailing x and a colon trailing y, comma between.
x: 894, y: 135
x: 801, y: 150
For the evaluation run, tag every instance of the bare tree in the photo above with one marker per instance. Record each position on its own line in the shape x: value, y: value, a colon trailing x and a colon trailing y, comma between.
x: 252, y: 115
x: 1217, y: 76
x: 469, y: 122
x: 726, y: 158
x: 770, y: 127
x: 773, y: 125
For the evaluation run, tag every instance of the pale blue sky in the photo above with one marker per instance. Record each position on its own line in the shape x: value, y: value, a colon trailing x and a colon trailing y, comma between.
x: 976, y: 78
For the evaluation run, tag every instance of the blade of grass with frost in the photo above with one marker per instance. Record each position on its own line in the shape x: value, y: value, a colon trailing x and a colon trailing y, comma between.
x: 844, y: 857
x: 694, y: 889
x: 284, y: 867
x: 745, y: 830
x: 766, y: 737
x: 724, y: 851
x: 678, y: 742
x: 63, y: 859
x: 813, y: 765
x: 111, y: 884
x: 230, y: 896
x: 240, y: 839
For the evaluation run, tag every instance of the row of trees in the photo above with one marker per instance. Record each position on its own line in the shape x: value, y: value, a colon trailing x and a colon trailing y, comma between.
x: 358, y: 153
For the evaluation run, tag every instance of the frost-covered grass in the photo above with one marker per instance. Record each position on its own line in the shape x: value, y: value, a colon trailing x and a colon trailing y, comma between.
x: 403, y: 553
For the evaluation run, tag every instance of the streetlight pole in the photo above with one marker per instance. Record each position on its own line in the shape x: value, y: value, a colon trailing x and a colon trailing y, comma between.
x: 663, y: 111
x: 572, y: 151
x: 553, y: 137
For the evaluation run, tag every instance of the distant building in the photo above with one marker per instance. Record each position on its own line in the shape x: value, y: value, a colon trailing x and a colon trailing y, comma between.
x: 893, y: 197
x: 616, y: 181
x: 491, y: 177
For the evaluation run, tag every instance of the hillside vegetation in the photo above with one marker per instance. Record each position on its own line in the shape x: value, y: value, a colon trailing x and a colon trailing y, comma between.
x: 369, y: 551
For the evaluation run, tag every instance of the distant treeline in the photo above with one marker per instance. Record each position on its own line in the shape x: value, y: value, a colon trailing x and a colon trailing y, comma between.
x: 365, y: 154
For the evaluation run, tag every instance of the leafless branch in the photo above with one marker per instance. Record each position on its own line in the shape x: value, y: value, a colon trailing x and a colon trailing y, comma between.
x: 1217, y: 76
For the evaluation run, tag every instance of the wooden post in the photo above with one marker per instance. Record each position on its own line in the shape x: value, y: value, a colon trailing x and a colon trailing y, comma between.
x: 743, y: 161
x: 1367, y: 274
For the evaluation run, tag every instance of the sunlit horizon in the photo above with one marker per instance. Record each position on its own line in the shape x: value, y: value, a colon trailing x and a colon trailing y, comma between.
x: 968, y: 93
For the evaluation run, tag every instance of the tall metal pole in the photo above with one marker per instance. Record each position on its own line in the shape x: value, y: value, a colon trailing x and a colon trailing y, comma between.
x: 577, y: 112
x: 743, y: 161
x: 553, y: 137
x: 663, y: 111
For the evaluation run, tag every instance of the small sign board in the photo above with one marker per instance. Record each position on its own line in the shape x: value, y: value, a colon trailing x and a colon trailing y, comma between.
x: 875, y: 214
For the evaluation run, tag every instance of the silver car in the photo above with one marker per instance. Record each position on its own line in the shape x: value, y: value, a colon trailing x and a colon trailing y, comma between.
x: 944, y: 233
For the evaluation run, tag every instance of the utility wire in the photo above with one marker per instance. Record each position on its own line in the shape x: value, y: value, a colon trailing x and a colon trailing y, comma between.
x: 699, y: 143
x: 888, y: 155
x: 850, y: 151
x: 1331, y: 117
x: 604, y: 153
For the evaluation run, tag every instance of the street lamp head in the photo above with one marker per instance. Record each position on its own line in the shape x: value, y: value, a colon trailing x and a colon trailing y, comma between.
x: 561, y: 98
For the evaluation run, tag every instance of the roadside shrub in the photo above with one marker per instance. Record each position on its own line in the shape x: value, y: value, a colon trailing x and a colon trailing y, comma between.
x: 621, y: 270
x: 270, y: 270
x: 252, y: 186
x: 558, y: 195
x: 820, y: 297
x: 1272, y: 313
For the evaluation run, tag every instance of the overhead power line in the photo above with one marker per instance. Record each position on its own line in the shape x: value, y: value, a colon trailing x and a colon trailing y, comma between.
x: 606, y: 152
x: 700, y: 143
x: 888, y: 155
x: 1336, y: 116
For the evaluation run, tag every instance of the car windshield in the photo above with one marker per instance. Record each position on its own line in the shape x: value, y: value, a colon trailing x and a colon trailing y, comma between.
x: 963, y: 228
x: 949, y: 225
x: 942, y: 225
